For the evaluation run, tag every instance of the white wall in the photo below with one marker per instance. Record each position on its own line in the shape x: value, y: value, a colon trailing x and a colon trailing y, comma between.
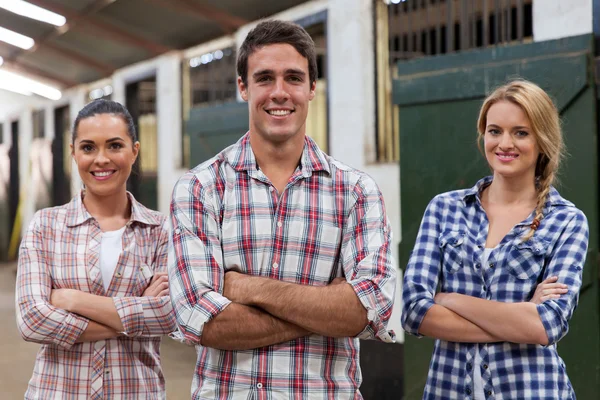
x: 553, y: 19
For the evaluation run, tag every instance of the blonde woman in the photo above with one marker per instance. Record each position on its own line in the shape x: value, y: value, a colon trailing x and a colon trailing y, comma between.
x: 508, y: 255
x: 92, y: 286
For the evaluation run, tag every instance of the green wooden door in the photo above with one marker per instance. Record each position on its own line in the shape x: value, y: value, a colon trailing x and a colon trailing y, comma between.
x: 212, y: 129
x: 439, y: 100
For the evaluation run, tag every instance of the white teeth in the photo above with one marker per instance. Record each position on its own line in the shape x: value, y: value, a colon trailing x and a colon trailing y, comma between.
x: 102, y: 174
x: 279, y: 112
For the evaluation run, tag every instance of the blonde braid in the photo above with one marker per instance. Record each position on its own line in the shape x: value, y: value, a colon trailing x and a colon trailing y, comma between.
x: 543, y: 190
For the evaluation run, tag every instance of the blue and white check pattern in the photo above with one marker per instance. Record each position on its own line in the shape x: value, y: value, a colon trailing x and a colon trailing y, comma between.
x: 448, y: 251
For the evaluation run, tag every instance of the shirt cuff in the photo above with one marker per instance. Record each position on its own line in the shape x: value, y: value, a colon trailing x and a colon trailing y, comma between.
x: 131, y: 312
x: 414, y: 316
x: 549, y: 318
x: 209, y: 306
x: 72, y: 328
x: 375, y: 305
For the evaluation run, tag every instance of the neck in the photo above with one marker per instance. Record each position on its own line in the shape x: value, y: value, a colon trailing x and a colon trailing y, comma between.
x: 277, y: 158
x: 512, y: 191
x: 113, y: 205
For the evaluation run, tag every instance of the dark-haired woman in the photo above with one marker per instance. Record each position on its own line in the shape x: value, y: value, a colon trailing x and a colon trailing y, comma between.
x: 91, y: 284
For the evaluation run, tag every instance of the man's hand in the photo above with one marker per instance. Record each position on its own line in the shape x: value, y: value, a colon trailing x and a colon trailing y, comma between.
x: 548, y: 289
x: 63, y: 298
x: 235, y: 287
x: 159, y: 286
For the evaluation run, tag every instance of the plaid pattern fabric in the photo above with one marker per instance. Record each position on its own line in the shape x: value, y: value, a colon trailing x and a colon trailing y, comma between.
x: 61, y: 250
x: 448, y: 251
x: 329, y: 222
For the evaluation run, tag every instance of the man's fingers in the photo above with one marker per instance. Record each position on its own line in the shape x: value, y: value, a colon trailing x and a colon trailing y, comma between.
x: 160, y: 275
x: 164, y: 292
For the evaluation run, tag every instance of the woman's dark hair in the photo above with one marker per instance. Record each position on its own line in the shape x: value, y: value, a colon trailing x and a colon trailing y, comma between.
x: 277, y: 32
x: 102, y: 106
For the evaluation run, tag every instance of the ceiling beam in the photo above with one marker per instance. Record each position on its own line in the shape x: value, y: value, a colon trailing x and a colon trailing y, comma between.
x: 228, y: 22
x: 27, y: 69
x: 107, y: 29
x: 80, y: 58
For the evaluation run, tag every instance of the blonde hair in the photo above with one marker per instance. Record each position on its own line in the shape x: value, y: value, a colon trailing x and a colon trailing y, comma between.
x: 545, y: 123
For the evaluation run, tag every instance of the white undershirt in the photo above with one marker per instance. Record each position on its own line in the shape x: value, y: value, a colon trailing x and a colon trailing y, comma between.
x: 478, y: 393
x: 110, y: 250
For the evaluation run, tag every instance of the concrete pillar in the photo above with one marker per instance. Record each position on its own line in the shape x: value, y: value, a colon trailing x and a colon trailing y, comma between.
x: 554, y: 19
x: 169, y: 127
x: 27, y: 201
x: 351, y: 78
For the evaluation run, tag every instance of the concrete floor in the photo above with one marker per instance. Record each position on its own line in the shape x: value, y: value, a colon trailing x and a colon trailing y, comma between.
x: 17, y: 356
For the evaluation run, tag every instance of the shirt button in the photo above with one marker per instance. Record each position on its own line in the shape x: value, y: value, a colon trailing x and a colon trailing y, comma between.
x: 468, y: 391
x: 485, y: 288
x: 469, y: 366
x: 477, y: 265
x: 177, y: 231
x: 491, y: 265
x: 259, y: 385
x: 275, y: 265
x: 270, y: 188
x: 279, y: 224
x: 107, y: 372
x: 485, y: 366
x: 118, y: 275
x: 489, y: 393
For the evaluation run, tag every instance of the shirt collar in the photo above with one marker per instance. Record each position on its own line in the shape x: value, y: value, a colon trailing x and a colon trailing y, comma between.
x: 77, y: 214
x: 241, y: 157
x: 554, y: 199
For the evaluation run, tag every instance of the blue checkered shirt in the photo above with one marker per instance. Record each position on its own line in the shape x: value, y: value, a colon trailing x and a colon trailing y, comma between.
x: 448, y: 252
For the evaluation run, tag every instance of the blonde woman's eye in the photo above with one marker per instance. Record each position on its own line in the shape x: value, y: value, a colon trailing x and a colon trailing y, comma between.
x: 522, y: 133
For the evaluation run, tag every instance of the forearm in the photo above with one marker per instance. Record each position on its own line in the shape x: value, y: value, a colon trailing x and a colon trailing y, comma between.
x: 97, y: 308
x: 511, y: 322
x: 95, y: 332
x: 441, y: 323
x: 240, y: 327
x: 332, y: 310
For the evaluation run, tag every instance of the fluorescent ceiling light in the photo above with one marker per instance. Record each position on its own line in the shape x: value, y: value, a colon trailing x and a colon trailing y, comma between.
x: 32, y: 11
x: 9, y: 81
x: 16, y: 39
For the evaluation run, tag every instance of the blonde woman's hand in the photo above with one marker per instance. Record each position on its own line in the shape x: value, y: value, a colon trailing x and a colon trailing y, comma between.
x: 159, y: 286
x: 548, y: 289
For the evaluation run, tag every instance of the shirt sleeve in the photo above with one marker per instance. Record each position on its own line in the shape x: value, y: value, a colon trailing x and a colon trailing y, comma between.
x: 37, y: 320
x: 367, y: 259
x: 422, y: 273
x: 149, y: 316
x: 195, y: 263
x: 566, y: 262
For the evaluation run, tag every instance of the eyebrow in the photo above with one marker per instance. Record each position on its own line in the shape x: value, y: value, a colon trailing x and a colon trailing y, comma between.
x: 271, y: 72
x: 115, y: 139
x: 514, y: 127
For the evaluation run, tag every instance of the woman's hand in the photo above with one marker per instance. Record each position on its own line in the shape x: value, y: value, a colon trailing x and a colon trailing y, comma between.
x: 548, y: 289
x: 63, y: 298
x: 159, y: 286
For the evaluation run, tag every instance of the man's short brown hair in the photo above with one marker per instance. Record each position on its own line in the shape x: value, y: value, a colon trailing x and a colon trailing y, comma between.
x: 277, y: 32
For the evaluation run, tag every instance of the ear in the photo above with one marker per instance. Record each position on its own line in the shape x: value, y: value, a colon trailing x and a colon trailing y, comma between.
x: 136, y: 151
x: 313, y: 87
x: 242, y: 88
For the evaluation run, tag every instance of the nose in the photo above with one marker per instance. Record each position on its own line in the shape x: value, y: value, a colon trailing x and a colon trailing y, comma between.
x: 101, y: 158
x: 506, y: 141
x: 279, y: 93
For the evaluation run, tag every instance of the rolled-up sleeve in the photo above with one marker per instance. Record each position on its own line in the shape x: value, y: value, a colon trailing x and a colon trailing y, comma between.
x: 367, y: 259
x: 422, y: 273
x: 566, y: 262
x: 149, y: 316
x: 37, y: 320
x: 195, y: 258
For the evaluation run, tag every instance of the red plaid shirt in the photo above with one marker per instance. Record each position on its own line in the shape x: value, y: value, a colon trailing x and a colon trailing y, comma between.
x: 330, y: 221
x: 61, y: 250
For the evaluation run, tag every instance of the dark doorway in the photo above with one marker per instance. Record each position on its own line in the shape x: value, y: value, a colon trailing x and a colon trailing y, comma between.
x: 61, y: 159
x: 14, y: 184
